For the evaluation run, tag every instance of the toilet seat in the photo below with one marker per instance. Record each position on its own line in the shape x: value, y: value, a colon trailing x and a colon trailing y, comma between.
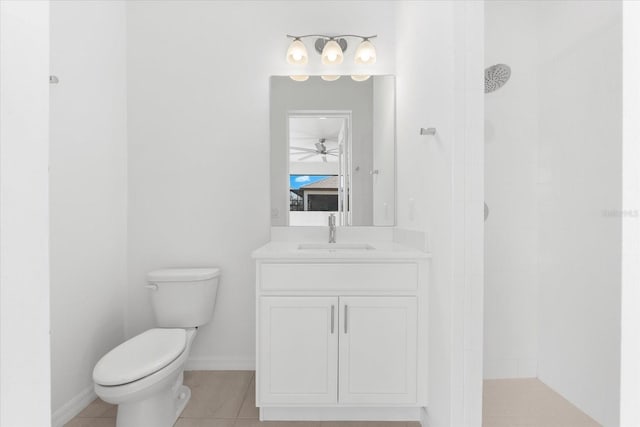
x: 140, y: 356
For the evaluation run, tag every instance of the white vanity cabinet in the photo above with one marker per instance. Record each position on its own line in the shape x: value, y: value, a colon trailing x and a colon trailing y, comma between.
x: 305, y: 339
x: 377, y: 350
x: 341, y: 338
x: 299, y: 348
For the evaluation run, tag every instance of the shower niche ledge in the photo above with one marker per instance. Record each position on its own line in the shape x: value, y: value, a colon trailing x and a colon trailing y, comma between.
x: 341, y: 335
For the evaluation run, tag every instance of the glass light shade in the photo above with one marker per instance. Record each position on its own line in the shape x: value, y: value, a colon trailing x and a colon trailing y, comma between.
x: 360, y: 77
x: 332, y: 53
x: 330, y: 78
x: 365, y: 53
x: 299, y: 78
x: 297, y: 53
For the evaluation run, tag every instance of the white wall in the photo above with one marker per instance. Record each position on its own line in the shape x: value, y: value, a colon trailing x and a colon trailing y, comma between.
x: 88, y: 191
x: 24, y: 212
x: 630, y: 316
x: 439, y: 184
x: 425, y: 97
x: 511, y: 174
x: 580, y: 196
x: 198, y: 76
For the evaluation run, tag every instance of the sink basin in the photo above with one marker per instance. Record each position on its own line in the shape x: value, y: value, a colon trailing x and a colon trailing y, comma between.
x: 336, y: 246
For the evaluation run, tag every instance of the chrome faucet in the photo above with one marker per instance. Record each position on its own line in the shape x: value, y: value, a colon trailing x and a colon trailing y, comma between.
x: 332, y: 228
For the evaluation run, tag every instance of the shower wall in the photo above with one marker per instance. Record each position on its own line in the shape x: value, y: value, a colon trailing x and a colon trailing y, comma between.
x: 580, y: 202
x: 553, y: 184
x: 511, y: 239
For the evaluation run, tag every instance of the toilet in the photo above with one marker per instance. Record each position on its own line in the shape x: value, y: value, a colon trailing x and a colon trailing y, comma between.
x: 144, y: 375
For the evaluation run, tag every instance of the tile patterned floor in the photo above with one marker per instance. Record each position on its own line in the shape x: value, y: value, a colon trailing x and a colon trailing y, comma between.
x: 227, y: 399
x: 218, y: 399
x: 528, y: 403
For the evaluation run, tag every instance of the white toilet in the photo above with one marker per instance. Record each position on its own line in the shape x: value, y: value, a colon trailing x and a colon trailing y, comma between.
x: 143, y: 375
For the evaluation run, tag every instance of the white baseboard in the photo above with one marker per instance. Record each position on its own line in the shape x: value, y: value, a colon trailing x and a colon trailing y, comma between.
x: 220, y: 364
x: 73, y: 407
x: 338, y: 413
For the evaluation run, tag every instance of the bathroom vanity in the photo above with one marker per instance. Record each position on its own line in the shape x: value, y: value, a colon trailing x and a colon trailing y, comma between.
x: 341, y: 327
x: 341, y: 331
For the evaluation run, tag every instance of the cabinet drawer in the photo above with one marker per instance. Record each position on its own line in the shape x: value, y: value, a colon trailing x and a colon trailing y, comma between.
x: 337, y: 276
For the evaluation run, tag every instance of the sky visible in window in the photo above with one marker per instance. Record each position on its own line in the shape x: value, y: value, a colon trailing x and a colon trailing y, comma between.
x: 297, y: 181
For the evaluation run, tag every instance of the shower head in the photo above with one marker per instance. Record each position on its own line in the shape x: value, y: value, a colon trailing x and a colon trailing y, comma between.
x: 495, y: 77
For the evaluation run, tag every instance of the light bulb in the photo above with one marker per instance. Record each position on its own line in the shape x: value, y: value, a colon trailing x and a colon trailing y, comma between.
x: 332, y: 53
x: 297, y: 53
x: 299, y: 77
x: 330, y: 78
x: 365, y: 53
x: 360, y: 77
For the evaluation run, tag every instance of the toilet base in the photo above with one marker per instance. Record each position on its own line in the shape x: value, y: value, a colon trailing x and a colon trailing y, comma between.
x: 161, y: 409
x: 183, y: 398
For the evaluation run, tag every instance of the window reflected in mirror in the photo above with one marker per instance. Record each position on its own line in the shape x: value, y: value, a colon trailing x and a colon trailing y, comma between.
x: 318, y: 155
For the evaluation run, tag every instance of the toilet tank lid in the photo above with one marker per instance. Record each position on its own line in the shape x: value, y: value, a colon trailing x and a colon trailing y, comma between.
x: 182, y: 274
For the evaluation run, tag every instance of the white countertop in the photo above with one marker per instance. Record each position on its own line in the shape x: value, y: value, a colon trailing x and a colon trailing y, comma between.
x: 282, y: 250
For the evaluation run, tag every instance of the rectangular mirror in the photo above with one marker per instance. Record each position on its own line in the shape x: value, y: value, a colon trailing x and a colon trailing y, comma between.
x: 333, y: 151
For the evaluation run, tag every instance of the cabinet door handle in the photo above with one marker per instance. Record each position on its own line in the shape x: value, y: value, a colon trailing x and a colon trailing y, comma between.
x: 333, y: 309
x: 346, y: 309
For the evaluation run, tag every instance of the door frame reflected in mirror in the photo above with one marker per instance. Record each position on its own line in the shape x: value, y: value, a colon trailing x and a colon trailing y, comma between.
x: 343, y: 213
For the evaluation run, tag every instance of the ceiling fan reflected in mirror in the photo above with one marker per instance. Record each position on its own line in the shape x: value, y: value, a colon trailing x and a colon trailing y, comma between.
x: 320, y: 150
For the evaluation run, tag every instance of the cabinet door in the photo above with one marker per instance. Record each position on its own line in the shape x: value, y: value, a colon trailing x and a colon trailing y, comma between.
x: 298, y: 339
x: 378, y: 337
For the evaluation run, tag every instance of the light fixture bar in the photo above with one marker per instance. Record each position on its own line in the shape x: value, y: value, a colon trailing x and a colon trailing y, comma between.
x: 332, y: 37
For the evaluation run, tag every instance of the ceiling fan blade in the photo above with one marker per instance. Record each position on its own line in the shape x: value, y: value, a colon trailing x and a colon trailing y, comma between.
x: 309, y: 150
x: 324, y: 158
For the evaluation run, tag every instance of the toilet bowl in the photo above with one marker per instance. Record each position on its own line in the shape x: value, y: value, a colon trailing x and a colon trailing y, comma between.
x: 144, y: 375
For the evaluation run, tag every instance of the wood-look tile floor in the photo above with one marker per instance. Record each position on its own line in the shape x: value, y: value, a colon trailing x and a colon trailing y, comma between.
x: 227, y: 399
x: 218, y: 399
x: 528, y: 402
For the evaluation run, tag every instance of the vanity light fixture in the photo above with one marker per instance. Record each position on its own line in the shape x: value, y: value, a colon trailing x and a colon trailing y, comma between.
x: 365, y: 53
x: 297, y: 53
x: 360, y: 77
x: 330, y: 78
x: 332, y: 53
x: 331, y: 48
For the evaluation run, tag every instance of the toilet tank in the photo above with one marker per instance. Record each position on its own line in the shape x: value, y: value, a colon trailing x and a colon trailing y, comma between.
x: 183, y: 297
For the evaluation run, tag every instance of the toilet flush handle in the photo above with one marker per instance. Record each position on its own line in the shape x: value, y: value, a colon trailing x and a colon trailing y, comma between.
x: 151, y: 286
